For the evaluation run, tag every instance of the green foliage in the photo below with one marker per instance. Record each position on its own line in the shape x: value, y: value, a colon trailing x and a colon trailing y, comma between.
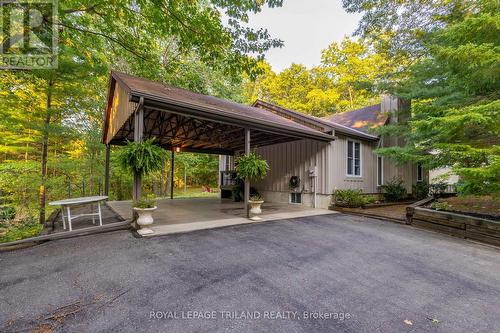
x: 452, y: 52
x: 420, y: 190
x: 256, y: 197
x: 148, y: 201
x: 142, y: 157
x: 394, y: 190
x: 437, y: 189
x: 440, y: 205
x: 7, y: 212
x: 348, y: 198
x: 251, y: 167
x: 370, y: 199
x: 20, y: 230
x: 185, y: 43
x: 344, y: 80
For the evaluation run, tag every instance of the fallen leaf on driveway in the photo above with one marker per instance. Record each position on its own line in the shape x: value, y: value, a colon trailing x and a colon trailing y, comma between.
x: 408, y: 322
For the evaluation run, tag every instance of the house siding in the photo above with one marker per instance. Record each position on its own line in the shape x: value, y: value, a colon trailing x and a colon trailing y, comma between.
x: 297, y: 158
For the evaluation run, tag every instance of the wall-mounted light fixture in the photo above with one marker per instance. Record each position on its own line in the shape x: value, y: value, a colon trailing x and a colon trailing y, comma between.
x: 177, y: 149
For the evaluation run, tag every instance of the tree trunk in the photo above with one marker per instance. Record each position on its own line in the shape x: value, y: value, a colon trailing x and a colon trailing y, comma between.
x: 350, y: 98
x: 45, y: 141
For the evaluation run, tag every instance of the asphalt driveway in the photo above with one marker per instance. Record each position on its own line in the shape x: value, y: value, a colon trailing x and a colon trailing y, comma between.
x: 351, y: 274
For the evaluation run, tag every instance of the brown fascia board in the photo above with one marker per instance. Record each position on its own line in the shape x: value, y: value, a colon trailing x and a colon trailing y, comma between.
x: 327, y: 125
x: 109, y: 101
x: 214, y: 114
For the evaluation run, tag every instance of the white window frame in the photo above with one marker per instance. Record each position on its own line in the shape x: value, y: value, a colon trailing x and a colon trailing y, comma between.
x: 381, y: 172
x: 421, y: 173
x: 360, y: 158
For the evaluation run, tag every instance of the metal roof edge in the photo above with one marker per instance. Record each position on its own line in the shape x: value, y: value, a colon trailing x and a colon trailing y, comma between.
x: 240, y: 120
x: 335, y: 126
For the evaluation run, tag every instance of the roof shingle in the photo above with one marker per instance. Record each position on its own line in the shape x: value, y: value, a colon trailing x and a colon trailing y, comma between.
x: 363, y: 119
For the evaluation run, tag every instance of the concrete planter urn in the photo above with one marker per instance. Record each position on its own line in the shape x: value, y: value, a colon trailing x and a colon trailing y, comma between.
x: 255, y: 209
x: 145, y: 219
x: 255, y: 206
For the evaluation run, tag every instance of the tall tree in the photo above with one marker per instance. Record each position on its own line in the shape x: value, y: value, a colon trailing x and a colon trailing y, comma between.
x: 453, y: 82
x: 345, y: 79
x: 182, y: 42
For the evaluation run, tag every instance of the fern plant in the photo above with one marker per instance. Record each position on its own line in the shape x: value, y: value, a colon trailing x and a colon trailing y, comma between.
x: 142, y: 157
x: 251, y: 167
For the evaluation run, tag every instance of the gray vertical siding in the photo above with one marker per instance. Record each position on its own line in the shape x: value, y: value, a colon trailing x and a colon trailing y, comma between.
x: 295, y: 159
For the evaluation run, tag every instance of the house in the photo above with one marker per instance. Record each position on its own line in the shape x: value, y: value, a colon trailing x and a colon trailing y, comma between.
x: 348, y: 162
x: 324, y: 153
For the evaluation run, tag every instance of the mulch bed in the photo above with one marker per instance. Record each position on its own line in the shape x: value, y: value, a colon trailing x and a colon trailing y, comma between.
x: 478, y: 206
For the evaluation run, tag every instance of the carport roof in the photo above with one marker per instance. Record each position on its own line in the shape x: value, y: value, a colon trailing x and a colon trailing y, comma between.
x: 182, y: 105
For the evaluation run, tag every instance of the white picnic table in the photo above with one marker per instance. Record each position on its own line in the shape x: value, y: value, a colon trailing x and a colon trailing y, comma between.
x: 68, y: 203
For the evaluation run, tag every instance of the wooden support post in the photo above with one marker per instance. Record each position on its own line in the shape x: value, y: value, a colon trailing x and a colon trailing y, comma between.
x: 138, y: 137
x: 106, y: 170
x: 247, y: 182
x: 172, y: 175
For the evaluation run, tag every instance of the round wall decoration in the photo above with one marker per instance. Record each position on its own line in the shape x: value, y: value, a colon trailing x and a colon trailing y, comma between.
x: 294, y: 182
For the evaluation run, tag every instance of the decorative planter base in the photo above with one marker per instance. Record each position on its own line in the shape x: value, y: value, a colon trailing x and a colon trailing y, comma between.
x: 144, y: 219
x: 145, y: 231
x: 255, y: 207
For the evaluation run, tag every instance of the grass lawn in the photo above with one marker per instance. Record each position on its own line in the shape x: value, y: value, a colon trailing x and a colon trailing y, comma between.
x: 194, y: 192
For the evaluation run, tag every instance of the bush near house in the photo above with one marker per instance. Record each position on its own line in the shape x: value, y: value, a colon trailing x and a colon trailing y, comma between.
x: 394, y: 190
x: 348, y: 198
x: 420, y: 190
x: 438, y: 189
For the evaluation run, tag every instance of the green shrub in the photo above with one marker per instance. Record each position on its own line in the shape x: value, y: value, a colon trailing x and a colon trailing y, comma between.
x: 20, y: 230
x: 370, y: 199
x: 145, y: 202
x: 394, y: 190
x: 7, y: 212
x: 438, y: 189
x: 142, y: 157
x: 348, y: 198
x: 251, y: 167
x: 420, y: 190
x: 437, y: 205
x: 256, y: 197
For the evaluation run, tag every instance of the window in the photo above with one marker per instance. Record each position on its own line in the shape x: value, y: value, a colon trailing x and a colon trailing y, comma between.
x: 296, y: 198
x: 227, y: 163
x: 420, y: 172
x: 353, y: 158
x: 380, y: 170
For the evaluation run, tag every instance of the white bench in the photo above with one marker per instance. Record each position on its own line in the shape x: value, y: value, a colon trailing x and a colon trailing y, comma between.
x: 67, y: 203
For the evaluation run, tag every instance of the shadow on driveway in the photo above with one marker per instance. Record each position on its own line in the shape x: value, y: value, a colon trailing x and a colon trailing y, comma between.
x: 375, y: 275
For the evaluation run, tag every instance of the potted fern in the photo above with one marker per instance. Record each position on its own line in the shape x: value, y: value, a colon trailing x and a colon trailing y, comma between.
x: 143, y: 158
x: 252, y: 167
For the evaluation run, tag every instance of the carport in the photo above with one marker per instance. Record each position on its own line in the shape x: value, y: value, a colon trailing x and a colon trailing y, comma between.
x: 181, y: 120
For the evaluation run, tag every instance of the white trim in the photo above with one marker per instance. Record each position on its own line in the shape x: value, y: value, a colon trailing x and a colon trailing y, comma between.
x: 347, y: 159
x: 381, y: 171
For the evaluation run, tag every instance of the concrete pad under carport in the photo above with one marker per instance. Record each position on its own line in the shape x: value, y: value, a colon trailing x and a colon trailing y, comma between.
x: 184, y: 215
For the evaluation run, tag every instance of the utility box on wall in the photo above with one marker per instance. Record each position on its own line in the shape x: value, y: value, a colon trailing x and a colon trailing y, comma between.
x: 313, y: 172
